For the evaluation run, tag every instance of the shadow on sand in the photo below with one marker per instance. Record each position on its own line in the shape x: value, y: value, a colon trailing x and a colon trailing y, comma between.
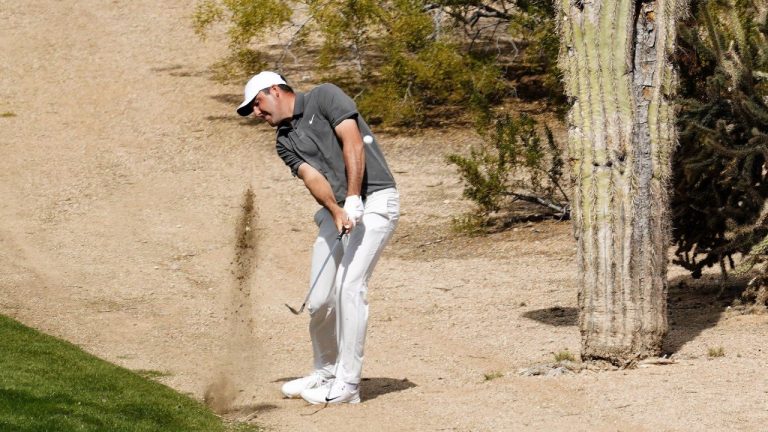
x: 374, y: 387
x: 694, y: 305
x: 229, y: 99
x: 557, y: 316
x: 254, y: 409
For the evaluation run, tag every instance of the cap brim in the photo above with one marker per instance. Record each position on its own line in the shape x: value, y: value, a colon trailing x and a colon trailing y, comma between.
x: 246, y: 108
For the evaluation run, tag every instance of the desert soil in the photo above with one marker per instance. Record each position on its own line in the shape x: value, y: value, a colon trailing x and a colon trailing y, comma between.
x: 144, y: 221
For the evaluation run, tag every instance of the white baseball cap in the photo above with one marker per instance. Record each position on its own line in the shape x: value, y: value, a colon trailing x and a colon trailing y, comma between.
x: 256, y: 84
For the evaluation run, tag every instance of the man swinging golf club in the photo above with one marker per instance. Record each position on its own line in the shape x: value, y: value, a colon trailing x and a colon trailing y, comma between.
x: 326, y: 143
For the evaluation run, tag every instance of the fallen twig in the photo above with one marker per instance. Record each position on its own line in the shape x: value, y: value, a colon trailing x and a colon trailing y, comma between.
x: 562, y: 209
x: 431, y: 242
x: 656, y: 361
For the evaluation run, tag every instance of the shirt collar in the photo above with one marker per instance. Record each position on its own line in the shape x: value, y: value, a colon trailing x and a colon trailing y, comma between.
x: 298, y: 112
x: 298, y: 105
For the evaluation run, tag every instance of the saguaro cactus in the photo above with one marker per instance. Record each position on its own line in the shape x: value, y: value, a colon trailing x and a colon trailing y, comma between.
x: 615, y: 55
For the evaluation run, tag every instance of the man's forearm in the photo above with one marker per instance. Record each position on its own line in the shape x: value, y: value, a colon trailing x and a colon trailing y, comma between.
x: 354, y: 154
x: 318, y: 186
x: 321, y: 190
x: 354, y: 160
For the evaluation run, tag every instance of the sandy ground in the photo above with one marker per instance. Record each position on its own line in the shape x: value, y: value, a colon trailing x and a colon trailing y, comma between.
x: 144, y: 221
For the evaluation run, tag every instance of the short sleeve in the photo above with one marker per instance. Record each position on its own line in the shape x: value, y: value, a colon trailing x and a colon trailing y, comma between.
x: 334, y: 104
x: 291, y: 159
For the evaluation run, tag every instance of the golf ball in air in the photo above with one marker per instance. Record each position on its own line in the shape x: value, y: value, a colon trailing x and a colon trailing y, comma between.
x: 368, y: 139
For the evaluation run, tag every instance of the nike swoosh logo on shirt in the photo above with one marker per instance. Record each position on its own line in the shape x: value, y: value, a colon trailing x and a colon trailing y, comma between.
x: 312, y: 119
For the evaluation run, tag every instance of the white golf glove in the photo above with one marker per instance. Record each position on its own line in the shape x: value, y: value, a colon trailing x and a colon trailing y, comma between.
x: 353, y: 207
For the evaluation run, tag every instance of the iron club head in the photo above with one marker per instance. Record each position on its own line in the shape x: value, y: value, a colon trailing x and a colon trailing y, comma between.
x: 306, y: 299
x: 294, y: 311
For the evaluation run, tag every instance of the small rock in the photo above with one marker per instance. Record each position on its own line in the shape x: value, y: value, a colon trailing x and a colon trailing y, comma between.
x: 655, y: 361
x: 551, y: 370
x: 557, y: 371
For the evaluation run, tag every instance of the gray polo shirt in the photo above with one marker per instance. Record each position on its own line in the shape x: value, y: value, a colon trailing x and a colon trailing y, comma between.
x: 309, y: 137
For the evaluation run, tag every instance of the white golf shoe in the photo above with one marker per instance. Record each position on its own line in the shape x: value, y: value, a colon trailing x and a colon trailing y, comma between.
x: 294, y: 388
x: 334, y: 392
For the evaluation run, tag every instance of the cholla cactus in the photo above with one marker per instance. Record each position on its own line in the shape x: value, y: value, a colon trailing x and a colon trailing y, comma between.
x: 721, y: 167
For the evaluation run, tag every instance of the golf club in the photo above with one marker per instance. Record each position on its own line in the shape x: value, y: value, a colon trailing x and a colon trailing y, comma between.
x: 322, y: 267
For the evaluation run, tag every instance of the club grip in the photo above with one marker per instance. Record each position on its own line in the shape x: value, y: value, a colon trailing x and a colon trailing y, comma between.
x: 344, y: 230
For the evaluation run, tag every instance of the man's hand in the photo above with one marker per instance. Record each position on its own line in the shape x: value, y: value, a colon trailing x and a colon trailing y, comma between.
x: 353, y: 208
x: 320, y: 189
x: 341, y: 220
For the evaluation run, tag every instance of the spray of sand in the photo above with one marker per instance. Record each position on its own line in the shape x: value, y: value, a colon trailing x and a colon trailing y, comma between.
x: 237, y: 355
x: 220, y: 394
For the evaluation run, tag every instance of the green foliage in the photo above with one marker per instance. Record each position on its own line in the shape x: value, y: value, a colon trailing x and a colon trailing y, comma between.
x: 535, y: 24
x: 151, y: 374
x: 250, y: 19
x: 50, y: 385
x: 716, y: 352
x: 345, y: 27
x: 243, y: 59
x: 490, y: 376
x: 564, y: 355
x: 406, y: 62
x: 512, y: 158
x: 207, y: 13
x: 470, y: 224
x: 437, y: 75
x: 720, y: 169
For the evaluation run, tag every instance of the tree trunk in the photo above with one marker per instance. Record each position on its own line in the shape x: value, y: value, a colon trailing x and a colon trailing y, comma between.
x: 615, y: 56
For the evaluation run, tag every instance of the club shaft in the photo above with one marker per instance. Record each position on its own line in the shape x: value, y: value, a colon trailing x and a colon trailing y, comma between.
x: 322, y: 267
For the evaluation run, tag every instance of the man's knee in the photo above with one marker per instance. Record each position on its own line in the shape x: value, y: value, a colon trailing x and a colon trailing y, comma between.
x: 320, y: 309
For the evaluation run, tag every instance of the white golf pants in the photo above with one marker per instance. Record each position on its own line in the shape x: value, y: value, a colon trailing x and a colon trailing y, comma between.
x: 338, y: 306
